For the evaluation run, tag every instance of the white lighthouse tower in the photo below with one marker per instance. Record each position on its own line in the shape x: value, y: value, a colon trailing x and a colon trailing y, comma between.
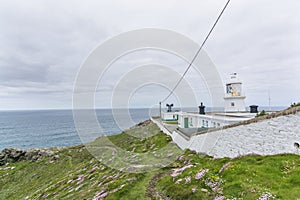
x: 234, y: 99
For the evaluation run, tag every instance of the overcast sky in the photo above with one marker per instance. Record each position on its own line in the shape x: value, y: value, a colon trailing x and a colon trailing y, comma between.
x: 44, y: 43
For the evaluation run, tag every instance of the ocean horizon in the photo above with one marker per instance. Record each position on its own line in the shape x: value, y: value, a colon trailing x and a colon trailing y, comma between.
x: 27, y: 129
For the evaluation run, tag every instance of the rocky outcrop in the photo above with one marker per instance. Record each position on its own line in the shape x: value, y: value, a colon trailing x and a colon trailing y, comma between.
x: 144, y: 123
x: 11, y: 155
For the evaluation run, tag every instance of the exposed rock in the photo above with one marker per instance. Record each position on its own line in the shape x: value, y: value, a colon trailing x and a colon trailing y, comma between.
x: 204, y: 190
x: 11, y: 155
x: 144, y: 123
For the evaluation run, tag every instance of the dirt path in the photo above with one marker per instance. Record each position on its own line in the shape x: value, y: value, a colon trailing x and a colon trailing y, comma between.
x: 152, y: 192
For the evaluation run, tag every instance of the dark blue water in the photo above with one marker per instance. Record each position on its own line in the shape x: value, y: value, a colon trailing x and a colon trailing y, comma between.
x: 49, y: 128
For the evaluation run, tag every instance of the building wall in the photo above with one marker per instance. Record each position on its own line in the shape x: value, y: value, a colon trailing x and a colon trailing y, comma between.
x: 169, y: 116
x: 200, y: 121
x: 239, y: 105
x: 273, y: 136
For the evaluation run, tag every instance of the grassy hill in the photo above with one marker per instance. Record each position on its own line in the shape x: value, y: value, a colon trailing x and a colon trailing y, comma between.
x: 76, y: 174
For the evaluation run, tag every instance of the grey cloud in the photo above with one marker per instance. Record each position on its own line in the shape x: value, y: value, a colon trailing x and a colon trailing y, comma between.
x: 43, y: 43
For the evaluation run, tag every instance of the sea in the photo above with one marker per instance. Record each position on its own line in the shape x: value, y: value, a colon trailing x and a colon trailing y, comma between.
x: 52, y: 128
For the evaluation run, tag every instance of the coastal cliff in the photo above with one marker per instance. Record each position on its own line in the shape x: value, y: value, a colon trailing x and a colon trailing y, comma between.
x: 73, y: 173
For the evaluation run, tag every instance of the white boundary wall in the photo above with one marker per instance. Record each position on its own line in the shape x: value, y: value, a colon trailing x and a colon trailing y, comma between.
x: 268, y: 137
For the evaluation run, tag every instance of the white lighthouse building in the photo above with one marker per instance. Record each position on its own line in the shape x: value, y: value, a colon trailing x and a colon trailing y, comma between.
x: 234, y: 98
x: 235, y: 111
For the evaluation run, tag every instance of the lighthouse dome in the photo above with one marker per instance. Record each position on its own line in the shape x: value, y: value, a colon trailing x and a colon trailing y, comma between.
x: 233, y: 79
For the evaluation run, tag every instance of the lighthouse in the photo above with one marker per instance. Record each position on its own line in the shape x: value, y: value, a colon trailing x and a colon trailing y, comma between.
x: 234, y: 99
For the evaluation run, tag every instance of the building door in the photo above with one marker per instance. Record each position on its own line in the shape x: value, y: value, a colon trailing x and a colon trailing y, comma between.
x: 186, y: 122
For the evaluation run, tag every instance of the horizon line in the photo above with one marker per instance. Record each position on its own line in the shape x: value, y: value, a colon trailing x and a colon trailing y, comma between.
x: 109, y: 108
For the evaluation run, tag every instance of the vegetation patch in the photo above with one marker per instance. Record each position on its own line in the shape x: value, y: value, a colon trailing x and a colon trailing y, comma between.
x: 261, y: 114
x: 171, y: 122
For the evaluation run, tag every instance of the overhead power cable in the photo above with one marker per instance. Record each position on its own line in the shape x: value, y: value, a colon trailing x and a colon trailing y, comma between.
x: 197, y: 53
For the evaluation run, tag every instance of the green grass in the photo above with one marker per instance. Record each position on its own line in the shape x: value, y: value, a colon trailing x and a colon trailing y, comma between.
x: 78, y: 175
x: 245, y: 178
x: 171, y: 122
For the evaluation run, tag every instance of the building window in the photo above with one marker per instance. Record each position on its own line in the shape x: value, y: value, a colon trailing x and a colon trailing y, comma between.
x: 206, y: 123
x: 219, y: 124
x: 228, y: 88
x: 232, y: 104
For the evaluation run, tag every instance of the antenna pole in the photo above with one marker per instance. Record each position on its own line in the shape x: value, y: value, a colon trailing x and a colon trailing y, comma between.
x: 269, y: 101
x: 160, y: 109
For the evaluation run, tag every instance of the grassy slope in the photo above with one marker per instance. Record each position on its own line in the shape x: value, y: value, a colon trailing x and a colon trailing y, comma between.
x: 78, y: 175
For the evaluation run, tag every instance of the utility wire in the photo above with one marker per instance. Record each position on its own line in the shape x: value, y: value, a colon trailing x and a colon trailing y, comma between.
x: 197, y: 53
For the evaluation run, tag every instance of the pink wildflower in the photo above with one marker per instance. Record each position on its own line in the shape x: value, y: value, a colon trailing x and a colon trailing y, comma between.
x: 181, y: 158
x: 103, y: 195
x: 213, y: 185
x: 220, y: 198
x: 98, y: 195
x: 188, y: 179
x: 80, y: 177
x: 178, y: 171
x: 266, y: 196
x: 201, y: 174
